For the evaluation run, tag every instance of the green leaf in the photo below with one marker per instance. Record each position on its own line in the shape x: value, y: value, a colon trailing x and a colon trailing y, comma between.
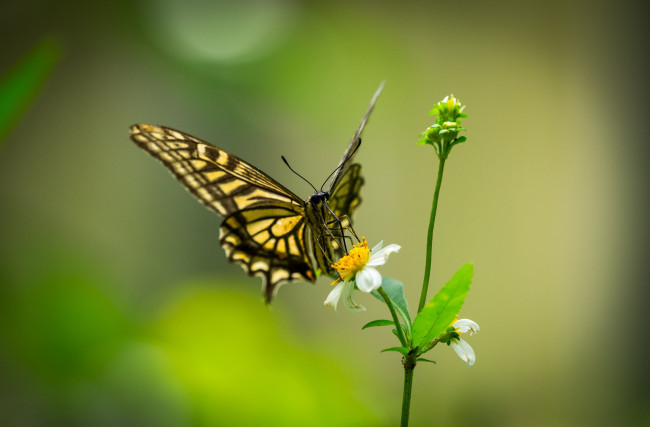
x: 381, y: 322
x: 438, y: 313
x: 21, y: 83
x: 422, y: 359
x: 403, y: 350
x: 395, y: 291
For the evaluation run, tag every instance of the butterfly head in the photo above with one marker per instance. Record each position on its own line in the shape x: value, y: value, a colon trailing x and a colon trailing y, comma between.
x: 319, y: 197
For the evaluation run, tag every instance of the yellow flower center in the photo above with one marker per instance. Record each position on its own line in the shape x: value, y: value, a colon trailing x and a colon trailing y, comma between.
x: 353, y: 262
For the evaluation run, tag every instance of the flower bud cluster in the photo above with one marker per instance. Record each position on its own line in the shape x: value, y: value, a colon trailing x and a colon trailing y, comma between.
x: 443, y: 134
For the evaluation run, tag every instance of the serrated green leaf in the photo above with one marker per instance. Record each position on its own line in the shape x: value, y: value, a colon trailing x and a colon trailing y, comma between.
x: 438, y: 313
x: 20, y: 84
x: 395, y: 291
x: 422, y: 359
x: 381, y: 322
x: 403, y: 350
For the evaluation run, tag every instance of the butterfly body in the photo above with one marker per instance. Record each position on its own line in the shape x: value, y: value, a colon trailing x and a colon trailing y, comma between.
x: 325, y: 237
x: 267, y: 229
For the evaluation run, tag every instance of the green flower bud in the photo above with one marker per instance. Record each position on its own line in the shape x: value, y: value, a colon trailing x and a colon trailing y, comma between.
x: 443, y: 135
x: 446, y: 336
x: 431, y: 136
x: 449, y: 110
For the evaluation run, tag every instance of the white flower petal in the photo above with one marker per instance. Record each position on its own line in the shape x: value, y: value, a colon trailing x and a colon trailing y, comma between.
x: 377, y: 247
x: 464, y: 351
x: 334, y: 296
x: 380, y: 257
x: 348, y: 301
x: 368, y: 279
x: 465, y: 325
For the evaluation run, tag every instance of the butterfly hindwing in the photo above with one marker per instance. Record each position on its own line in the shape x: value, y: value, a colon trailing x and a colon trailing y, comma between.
x: 268, y: 242
x: 264, y: 225
x: 345, y: 198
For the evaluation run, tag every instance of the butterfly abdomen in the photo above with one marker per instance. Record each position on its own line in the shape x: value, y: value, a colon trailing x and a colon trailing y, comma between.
x: 321, y: 236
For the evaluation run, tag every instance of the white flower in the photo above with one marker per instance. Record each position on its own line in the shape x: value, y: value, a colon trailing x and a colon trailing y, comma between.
x: 358, y: 266
x: 460, y: 346
x: 344, y: 290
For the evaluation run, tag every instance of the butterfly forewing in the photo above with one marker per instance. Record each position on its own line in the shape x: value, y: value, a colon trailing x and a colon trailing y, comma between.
x: 348, y: 155
x: 217, y: 178
x: 264, y: 225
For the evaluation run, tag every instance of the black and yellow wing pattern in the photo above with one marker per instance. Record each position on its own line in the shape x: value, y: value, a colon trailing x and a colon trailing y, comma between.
x: 264, y: 223
x: 266, y: 227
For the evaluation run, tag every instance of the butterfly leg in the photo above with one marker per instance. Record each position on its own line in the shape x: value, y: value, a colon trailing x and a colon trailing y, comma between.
x: 334, y: 233
x: 347, y: 237
x: 344, y: 224
x: 333, y: 244
x: 338, y: 220
x: 344, y: 219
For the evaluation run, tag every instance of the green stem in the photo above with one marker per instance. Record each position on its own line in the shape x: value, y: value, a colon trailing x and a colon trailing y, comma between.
x: 409, y: 367
x: 432, y: 222
x: 398, y: 325
x: 429, y: 346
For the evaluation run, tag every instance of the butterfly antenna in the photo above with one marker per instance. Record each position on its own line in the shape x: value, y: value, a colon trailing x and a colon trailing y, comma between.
x: 291, y: 169
x: 342, y: 164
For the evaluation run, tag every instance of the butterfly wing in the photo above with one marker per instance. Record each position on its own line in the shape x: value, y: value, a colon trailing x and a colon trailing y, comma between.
x: 343, y: 201
x: 327, y: 232
x: 349, y: 153
x: 268, y: 241
x: 264, y: 227
x: 345, y: 197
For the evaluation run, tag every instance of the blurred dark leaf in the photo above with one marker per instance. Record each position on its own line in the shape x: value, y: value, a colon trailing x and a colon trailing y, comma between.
x: 20, y: 84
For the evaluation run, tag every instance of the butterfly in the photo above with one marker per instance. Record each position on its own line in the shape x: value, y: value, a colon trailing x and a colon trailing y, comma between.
x: 267, y: 229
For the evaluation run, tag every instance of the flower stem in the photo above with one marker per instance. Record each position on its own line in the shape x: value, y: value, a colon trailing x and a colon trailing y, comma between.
x: 398, y: 325
x: 409, y: 367
x: 432, y: 222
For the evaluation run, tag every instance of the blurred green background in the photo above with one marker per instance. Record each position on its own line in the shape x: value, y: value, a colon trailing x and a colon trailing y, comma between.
x: 117, y: 306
